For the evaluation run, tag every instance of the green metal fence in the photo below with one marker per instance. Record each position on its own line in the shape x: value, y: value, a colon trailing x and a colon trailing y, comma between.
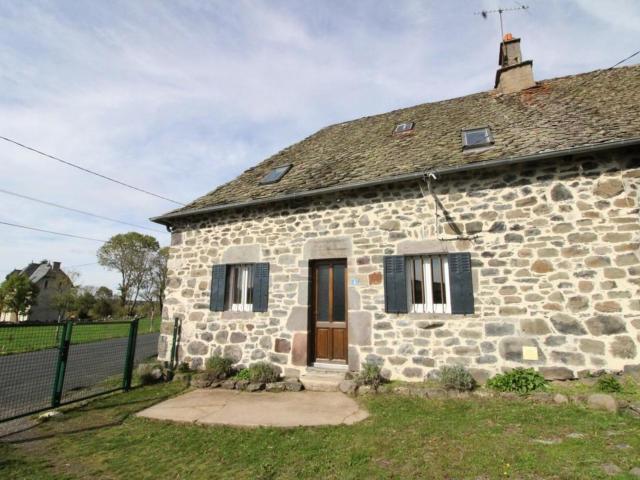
x: 43, y: 366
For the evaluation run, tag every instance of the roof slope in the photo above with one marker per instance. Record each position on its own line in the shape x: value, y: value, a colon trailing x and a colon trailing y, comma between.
x: 558, y: 114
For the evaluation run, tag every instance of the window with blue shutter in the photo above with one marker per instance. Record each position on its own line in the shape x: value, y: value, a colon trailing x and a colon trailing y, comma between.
x: 461, y: 283
x: 395, y: 284
x: 240, y: 287
x: 440, y: 283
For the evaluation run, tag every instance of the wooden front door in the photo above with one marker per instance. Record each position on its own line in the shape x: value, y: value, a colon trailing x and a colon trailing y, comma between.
x: 329, y: 310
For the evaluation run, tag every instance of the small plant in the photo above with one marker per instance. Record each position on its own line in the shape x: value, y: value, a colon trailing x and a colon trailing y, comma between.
x: 609, y: 384
x: 183, y: 367
x: 456, y: 377
x: 263, y: 372
x: 220, y: 367
x: 519, y: 380
x: 243, y: 374
x: 369, y: 375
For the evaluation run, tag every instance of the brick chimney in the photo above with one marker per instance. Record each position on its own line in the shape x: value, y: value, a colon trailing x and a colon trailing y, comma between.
x: 514, y: 74
x: 56, y: 265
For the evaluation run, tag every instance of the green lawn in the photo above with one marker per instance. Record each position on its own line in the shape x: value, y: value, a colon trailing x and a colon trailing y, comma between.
x: 403, y: 438
x: 18, y: 339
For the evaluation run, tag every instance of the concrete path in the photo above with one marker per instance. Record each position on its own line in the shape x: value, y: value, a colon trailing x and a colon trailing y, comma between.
x: 286, y: 409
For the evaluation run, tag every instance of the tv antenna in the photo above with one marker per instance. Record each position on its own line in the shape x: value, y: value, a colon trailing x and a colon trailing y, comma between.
x: 500, y: 11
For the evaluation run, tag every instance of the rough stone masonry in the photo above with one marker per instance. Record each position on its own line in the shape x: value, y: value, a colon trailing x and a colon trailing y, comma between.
x: 555, y: 256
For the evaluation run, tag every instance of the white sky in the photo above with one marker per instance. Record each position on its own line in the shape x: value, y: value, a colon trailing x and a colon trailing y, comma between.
x: 179, y: 96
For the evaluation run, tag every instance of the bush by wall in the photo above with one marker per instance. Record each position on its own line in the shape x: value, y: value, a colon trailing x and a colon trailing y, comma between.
x: 519, y: 380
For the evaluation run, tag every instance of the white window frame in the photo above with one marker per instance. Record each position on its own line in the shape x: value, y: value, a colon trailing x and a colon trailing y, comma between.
x: 246, y: 272
x: 427, y: 291
x: 488, y: 138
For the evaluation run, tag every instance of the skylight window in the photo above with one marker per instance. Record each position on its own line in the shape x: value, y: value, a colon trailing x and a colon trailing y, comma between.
x: 275, y: 175
x: 476, y: 137
x: 403, y: 127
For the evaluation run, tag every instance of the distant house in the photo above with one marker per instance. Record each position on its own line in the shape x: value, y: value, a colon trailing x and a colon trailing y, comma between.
x: 496, y: 230
x: 50, y: 280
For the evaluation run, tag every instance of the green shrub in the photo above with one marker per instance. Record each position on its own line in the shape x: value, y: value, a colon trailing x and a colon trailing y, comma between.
x: 609, y: 384
x: 519, y: 380
x: 243, y: 374
x: 369, y: 375
x: 220, y: 367
x: 183, y: 367
x: 263, y: 372
x: 456, y: 377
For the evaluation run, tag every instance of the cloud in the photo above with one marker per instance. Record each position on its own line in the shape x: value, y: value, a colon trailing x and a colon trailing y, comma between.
x: 178, y: 97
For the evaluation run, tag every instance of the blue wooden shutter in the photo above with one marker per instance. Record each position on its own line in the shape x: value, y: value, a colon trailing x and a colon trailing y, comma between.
x: 461, y: 283
x: 260, y: 287
x: 218, y: 282
x: 395, y: 284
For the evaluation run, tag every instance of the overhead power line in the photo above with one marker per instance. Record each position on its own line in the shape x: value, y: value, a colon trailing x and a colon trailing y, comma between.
x: 86, y: 170
x: 625, y: 59
x: 76, y: 210
x: 51, y: 232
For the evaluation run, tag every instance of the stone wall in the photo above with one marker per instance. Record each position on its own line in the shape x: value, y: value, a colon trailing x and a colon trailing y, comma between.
x: 555, y: 253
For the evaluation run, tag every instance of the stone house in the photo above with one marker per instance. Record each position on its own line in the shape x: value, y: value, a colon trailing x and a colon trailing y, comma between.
x: 495, y: 230
x: 50, y: 280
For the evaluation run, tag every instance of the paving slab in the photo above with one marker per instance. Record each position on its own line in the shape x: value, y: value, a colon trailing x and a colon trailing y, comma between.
x: 231, y: 407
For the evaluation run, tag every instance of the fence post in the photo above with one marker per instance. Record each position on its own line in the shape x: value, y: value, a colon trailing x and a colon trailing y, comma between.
x: 61, y: 364
x: 131, y: 353
x: 176, y: 333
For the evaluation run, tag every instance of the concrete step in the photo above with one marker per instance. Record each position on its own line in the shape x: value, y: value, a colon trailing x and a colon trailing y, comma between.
x: 320, y: 380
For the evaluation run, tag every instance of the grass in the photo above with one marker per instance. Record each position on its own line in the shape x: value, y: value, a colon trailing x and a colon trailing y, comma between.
x: 404, y: 437
x: 20, y: 339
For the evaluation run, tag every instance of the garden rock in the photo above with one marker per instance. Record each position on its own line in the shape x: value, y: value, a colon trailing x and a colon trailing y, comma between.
x: 184, y: 378
x: 560, y: 398
x: 635, y: 472
x: 364, y: 390
x: 602, y: 401
x: 275, y: 387
x: 201, y: 380
x: 348, y: 386
x: 293, y: 386
x: 242, y: 384
x: 50, y: 415
x: 254, y: 387
x: 436, y: 393
x: 229, y: 384
x: 611, y: 469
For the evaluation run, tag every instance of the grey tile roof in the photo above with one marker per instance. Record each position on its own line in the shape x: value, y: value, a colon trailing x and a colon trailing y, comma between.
x: 557, y: 114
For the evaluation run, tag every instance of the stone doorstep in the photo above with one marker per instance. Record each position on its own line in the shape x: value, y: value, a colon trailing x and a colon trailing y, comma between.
x: 322, y: 380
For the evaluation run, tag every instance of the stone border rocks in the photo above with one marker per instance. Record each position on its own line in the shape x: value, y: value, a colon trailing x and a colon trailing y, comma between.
x: 204, y: 380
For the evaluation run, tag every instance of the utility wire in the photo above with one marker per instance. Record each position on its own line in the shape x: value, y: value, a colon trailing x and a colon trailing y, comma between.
x: 624, y: 60
x: 86, y: 170
x: 83, y: 265
x: 51, y: 232
x: 76, y: 210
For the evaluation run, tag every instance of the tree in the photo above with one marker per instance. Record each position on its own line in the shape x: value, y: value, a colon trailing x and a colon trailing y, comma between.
x: 103, y: 306
x: 18, y: 294
x: 131, y: 254
x: 157, y: 279
x: 84, y: 303
x: 65, y: 302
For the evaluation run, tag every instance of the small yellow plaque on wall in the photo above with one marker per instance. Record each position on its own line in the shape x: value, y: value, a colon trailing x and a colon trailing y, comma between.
x: 530, y: 353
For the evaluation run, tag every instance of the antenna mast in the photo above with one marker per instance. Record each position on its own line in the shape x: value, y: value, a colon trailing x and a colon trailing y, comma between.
x: 500, y: 11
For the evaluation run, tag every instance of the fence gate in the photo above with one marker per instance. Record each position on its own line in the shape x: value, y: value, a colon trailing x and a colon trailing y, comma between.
x: 43, y: 366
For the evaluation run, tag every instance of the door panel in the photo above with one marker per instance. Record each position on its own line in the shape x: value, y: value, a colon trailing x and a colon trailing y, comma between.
x: 329, y: 310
